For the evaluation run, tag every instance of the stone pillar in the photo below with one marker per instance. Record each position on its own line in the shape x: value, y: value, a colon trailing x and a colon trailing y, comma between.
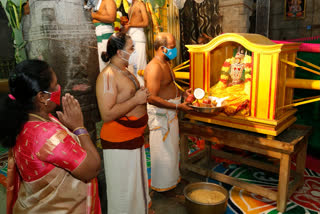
x: 62, y: 33
x: 235, y: 15
x: 262, y: 18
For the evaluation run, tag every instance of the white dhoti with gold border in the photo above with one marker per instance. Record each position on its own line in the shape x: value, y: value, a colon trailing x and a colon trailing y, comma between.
x: 164, y: 147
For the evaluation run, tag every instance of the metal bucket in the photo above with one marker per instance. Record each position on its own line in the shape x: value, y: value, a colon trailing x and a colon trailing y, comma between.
x: 195, y: 207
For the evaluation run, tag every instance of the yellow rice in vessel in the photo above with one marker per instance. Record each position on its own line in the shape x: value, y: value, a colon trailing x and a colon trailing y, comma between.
x: 206, y: 196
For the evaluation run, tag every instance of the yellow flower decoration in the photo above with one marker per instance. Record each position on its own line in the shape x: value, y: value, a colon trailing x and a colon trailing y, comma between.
x: 118, y: 3
x: 224, y: 77
x: 126, y: 6
x: 225, y: 69
x: 125, y: 3
x: 248, y: 76
x: 117, y: 24
x: 247, y: 59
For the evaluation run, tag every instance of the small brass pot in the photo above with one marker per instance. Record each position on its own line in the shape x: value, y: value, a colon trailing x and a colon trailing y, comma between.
x: 195, y: 207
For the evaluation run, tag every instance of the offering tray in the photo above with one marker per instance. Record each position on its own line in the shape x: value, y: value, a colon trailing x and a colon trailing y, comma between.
x: 207, y: 109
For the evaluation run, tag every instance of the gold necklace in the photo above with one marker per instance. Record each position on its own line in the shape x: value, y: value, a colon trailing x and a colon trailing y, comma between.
x: 38, y: 117
x: 127, y: 74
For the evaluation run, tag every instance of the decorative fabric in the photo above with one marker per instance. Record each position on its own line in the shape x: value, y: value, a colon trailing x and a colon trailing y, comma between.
x: 124, y: 133
x: 305, y: 200
x: 127, y: 181
x: 164, y: 147
x: 41, y: 146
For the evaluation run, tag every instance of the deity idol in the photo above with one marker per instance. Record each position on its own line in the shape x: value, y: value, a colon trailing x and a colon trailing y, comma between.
x: 235, y: 83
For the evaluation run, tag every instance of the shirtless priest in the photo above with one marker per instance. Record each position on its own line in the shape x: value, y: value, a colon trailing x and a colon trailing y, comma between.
x: 163, y: 104
x: 121, y: 102
x: 102, y: 20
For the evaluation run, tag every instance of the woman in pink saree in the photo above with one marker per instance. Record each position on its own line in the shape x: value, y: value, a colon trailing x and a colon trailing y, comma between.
x: 53, y: 164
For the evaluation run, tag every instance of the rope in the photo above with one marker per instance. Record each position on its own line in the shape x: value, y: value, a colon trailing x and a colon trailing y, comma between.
x: 300, y: 103
x: 308, y: 63
x: 298, y: 66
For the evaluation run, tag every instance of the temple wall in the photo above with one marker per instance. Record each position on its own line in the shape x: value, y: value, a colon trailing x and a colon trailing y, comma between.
x: 282, y: 28
x: 235, y: 15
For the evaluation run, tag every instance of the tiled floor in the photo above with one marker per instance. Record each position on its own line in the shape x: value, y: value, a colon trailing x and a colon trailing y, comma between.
x: 162, y: 204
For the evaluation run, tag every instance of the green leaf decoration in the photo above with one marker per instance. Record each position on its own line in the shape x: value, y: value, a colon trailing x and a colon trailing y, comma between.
x: 18, y: 2
x: 14, y: 12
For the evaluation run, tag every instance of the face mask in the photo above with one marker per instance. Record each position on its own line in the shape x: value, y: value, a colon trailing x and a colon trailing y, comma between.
x: 129, y: 1
x: 171, y: 53
x: 55, y: 96
x: 127, y: 60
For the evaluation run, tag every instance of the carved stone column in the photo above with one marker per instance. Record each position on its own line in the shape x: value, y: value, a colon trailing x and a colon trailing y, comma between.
x: 62, y: 33
x: 263, y: 17
x: 235, y: 15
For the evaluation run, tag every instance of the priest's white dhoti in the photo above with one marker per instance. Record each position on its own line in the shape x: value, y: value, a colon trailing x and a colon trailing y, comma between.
x: 127, y: 181
x: 103, y: 32
x: 139, y: 57
x: 164, y: 147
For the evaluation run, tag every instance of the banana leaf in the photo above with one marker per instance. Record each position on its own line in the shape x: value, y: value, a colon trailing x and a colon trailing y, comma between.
x: 14, y: 11
x: 19, y: 44
x: 4, y: 4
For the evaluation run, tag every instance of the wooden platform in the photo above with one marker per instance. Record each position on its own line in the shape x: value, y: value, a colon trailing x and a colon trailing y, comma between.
x: 262, y: 126
x: 292, y: 142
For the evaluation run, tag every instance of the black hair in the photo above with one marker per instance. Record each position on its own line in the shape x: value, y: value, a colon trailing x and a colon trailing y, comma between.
x: 115, y: 42
x: 25, y: 81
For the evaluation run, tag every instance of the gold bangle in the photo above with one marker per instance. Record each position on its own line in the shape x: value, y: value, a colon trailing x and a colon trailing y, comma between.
x: 81, y: 127
x: 82, y: 135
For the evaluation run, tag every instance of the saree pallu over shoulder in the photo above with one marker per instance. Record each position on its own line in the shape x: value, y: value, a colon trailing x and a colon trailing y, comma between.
x: 124, y: 133
x: 54, y: 193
